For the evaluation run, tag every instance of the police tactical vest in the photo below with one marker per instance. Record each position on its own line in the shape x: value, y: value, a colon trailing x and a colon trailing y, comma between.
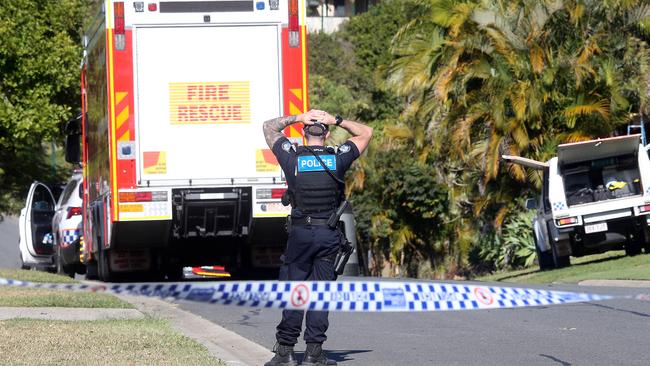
x: 316, y: 191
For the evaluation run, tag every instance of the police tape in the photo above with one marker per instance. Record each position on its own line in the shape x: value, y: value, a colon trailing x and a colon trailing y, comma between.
x: 359, y: 296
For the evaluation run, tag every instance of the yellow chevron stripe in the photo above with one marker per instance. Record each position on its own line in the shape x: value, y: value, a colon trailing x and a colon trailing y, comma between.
x: 293, y: 109
x: 125, y: 137
x: 297, y: 93
x: 119, y: 96
x: 123, y: 116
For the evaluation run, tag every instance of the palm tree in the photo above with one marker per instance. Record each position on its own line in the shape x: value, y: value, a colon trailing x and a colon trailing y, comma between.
x: 484, y: 78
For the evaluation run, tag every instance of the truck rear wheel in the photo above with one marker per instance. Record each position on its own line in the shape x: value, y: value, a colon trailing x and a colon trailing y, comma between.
x: 92, y: 270
x: 104, y: 264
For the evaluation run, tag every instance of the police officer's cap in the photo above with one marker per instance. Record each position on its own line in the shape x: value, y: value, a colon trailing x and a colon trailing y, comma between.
x: 318, y: 129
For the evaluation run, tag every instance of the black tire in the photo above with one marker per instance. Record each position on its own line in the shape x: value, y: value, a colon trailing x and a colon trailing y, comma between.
x: 560, y: 261
x: 92, y: 272
x: 22, y: 264
x: 103, y: 263
x: 174, y: 272
x: 61, y: 268
x: 544, y: 259
x: 633, y: 247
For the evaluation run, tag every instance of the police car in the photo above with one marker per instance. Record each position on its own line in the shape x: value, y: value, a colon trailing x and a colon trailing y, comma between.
x: 595, y: 197
x: 49, y: 230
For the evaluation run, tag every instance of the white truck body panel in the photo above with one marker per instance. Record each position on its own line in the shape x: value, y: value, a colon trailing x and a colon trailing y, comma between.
x: 220, y: 140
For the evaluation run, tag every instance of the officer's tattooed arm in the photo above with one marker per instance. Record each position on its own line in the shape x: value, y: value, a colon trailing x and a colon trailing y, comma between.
x: 273, y: 128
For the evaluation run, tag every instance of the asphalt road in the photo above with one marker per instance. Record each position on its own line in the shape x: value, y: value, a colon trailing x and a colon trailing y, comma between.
x: 9, y: 253
x: 615, y: 332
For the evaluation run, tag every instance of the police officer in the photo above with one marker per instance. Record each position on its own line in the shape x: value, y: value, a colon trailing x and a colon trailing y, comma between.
x: 315, y: 195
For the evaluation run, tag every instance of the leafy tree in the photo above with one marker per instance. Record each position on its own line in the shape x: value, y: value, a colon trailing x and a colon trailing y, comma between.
x: 39, y: 86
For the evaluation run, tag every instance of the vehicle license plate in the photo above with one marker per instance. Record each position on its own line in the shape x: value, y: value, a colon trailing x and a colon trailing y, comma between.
x: 596, y: 228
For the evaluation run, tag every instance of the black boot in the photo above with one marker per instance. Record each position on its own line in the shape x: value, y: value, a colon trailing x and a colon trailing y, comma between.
x: 314, y: 356
x: 284, y: 356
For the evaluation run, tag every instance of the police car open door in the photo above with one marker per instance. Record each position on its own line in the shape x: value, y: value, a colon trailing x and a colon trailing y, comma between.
x: 36, y: 220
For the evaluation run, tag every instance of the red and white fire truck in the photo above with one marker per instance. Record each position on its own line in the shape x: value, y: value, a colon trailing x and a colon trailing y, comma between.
x: 176, y: 169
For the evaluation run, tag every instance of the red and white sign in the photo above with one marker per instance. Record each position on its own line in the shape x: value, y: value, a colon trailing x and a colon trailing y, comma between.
x: 300, y: 295
x: 483, y: 296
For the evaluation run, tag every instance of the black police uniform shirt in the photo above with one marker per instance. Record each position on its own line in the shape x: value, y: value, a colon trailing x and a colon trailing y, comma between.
x: 286, y: 154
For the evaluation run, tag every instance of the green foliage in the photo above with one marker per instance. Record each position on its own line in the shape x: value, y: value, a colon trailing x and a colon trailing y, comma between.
x: 39, y: 86
x: 486, y: 78
x: 518, y: 247
x: 402, y: 213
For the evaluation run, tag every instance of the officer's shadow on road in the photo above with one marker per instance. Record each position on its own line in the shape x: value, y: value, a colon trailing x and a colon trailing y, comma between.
x: 337, y: 355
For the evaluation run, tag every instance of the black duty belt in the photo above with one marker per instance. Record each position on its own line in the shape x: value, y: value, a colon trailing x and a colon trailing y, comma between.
x: 308, y: 221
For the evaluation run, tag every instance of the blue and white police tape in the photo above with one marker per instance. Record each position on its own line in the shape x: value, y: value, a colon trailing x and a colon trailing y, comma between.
x: 361, y: 296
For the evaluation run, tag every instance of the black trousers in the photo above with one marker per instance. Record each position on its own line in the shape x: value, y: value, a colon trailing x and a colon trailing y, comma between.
x: 310, y: 256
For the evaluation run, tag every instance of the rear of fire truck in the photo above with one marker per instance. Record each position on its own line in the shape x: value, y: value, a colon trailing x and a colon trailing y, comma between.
x: 177, y: 172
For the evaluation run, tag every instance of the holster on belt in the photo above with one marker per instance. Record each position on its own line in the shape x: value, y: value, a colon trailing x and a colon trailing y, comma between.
x: 287, y: 224
x: 342, y: 256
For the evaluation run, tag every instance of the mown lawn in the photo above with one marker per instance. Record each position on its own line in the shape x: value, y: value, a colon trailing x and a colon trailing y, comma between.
x: 38, y: 297
x: 609, y: 266
x: 146, y: 341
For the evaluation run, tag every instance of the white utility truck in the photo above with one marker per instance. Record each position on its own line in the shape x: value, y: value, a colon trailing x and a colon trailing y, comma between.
x: 176, y: 169
x: 595, y: 197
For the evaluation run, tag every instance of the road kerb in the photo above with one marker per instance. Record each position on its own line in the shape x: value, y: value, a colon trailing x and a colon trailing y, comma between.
x: 616, y: 283
x: 60, y: 313
x: 222, y: 343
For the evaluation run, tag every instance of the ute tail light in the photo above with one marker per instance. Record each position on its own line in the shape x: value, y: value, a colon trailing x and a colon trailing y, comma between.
x: 567, y: 221
x: 294, y: 26
x: 120, y: 25
x: 73, y: 211
x: 644, y: 208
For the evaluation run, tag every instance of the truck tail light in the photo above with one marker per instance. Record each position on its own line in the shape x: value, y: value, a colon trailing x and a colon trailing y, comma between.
x: 143, y: 196
x: 294, y: 26
x: 118, y: 8
x: 73, y: 211
x: 567, y: 221
x: 277, y: 192
x: 269, y: 193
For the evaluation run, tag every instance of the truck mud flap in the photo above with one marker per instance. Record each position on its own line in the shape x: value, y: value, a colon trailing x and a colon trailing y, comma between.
x: 211, y: 212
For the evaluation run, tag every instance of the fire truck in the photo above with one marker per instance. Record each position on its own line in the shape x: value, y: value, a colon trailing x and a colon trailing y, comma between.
x: 176, y: 169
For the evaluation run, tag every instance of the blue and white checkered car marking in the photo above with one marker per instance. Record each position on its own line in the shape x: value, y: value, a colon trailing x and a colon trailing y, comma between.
x: 68, y: 236
x: 359, y: 296
x: 558, y: 206
x: 311, y: 164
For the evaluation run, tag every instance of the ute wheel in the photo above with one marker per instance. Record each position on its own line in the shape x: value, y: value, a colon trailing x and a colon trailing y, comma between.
x: 103, y: 263
x: 60, y: 267
x: 633, y: 246
x: 560, y: 261
x: 22, y: 264
x: 544, y: 259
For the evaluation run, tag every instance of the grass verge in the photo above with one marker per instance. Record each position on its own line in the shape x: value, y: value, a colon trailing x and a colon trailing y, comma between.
x: 146, y: 341
x: 608, y: 266
x: 37, y: 297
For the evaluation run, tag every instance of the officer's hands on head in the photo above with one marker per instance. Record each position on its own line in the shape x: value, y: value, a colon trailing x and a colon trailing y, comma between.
x: 316, y: 115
